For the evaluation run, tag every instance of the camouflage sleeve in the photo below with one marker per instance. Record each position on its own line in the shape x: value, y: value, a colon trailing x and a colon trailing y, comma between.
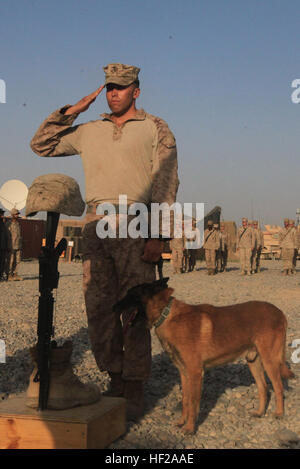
x: 164, y: 167
x: 56, y: 137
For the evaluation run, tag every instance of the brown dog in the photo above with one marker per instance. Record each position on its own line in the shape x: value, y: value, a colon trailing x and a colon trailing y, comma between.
x: 198, y: 337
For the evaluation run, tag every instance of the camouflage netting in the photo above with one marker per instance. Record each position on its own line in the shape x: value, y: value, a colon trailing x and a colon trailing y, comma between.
x: 55, y: 193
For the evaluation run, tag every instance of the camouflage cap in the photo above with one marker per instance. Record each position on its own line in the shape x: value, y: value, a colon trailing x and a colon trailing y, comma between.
x: 54, y: 193
x: 286, y: 220
x: 14, y: 211
x: 120, y: 74
x: 245, y: 219
x: 291, y: 222
x: 255, y: 222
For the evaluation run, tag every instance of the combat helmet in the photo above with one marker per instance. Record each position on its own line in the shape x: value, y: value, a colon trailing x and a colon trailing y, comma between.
x: 54, y: 193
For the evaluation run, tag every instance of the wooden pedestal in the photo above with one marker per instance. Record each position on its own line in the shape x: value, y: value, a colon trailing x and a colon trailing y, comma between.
x: 87, y: 427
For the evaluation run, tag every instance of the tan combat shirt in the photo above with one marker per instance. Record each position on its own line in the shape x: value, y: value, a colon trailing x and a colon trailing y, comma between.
x: 211, y: 239
x: 245, y: 238
x: 138, y: 158
x: 287, y: 239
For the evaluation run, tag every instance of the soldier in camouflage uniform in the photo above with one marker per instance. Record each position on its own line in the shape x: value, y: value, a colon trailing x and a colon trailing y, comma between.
x: 292, y: 225
x: 126, y: 152
x: 287, y: 245
x: 245, y: 243
x: 177, y: 245
x: 14, y: 246
x: 259, y: 246
x: 224, y: 246
x: 3, y: 245
x: 211, y: 245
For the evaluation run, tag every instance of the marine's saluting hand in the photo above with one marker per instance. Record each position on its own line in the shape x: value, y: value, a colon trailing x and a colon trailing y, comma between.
x: 84, y: 103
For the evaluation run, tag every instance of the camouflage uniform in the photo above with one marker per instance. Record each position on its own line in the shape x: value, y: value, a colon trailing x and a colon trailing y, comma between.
x: 287, y: 244
x: 14, y: 247
x: 211, y: 245
x: 292, y: 225
x: 258, y: 248
x: 245, y: 243
x: 224, y: 245
x: 177, y: 246
x: 3, y: 246
x: 139, y: 159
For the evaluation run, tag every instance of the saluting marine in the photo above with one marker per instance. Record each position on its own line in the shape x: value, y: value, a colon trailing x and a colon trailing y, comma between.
x: 132, y: 152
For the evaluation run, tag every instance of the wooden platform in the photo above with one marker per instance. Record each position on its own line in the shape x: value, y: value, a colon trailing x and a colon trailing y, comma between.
x: 89, y: 427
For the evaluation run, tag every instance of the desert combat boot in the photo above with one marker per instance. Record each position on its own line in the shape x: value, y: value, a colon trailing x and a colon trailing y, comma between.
x: 66, y: 390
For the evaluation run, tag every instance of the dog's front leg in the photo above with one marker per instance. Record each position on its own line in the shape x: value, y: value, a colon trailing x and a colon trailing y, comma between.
x: 194, y: 385
x: 181, y: 421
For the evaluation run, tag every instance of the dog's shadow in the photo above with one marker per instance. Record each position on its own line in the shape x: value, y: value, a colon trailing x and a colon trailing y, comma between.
x: 217, y: 384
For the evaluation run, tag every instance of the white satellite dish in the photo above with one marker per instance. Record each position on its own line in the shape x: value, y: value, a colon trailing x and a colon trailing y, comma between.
x: 13, y: 194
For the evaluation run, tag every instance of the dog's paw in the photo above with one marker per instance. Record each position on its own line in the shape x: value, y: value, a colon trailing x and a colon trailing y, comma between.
x: 188, y: 429
x: 256, y: 414
x: 180, y: 422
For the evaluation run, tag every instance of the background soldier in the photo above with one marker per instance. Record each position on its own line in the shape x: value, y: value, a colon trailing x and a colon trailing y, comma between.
x: 259, y: 245
x: 224, y: 240
x: 287, y: 244
x: 295, y: 234
x: 127, y: 151
x: 177, y: 246
x: 245, y: 243
x: 211, y: 245
x: 3, y: 245
x: 14, y: 245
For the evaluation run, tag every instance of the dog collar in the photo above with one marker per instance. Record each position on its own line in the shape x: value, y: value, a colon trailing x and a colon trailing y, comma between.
x: 164, y: 313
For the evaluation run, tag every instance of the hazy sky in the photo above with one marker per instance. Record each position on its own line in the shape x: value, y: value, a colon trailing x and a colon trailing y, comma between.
x: 218, y: 71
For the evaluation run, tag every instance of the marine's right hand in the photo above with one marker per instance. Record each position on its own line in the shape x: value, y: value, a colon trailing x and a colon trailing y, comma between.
x: 84, y: 103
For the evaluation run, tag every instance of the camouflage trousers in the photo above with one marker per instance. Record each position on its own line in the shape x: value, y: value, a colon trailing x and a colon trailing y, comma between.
x: 13, y: 260
x: 111, y: 267
x: 245, y: 259
x: 210, y: 258
x: 287, y: 255
x: 177, y: 257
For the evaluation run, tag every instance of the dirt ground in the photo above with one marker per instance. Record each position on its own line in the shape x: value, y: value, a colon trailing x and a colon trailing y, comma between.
x: 229, y: 392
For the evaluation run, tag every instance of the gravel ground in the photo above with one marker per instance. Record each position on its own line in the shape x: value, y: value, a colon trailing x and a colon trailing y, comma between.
x: 229, y: 392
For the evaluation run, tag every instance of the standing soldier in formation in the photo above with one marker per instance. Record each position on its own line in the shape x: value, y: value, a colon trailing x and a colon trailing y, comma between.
x: 211, y: 245
x: 287, y: 246
x: 224, y: 246
x: 294, y: 229
x: 3, y: 245
x: 245, y: 243
x: 14, y: 245
x: 259, y: 246
x: 177, y: 246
